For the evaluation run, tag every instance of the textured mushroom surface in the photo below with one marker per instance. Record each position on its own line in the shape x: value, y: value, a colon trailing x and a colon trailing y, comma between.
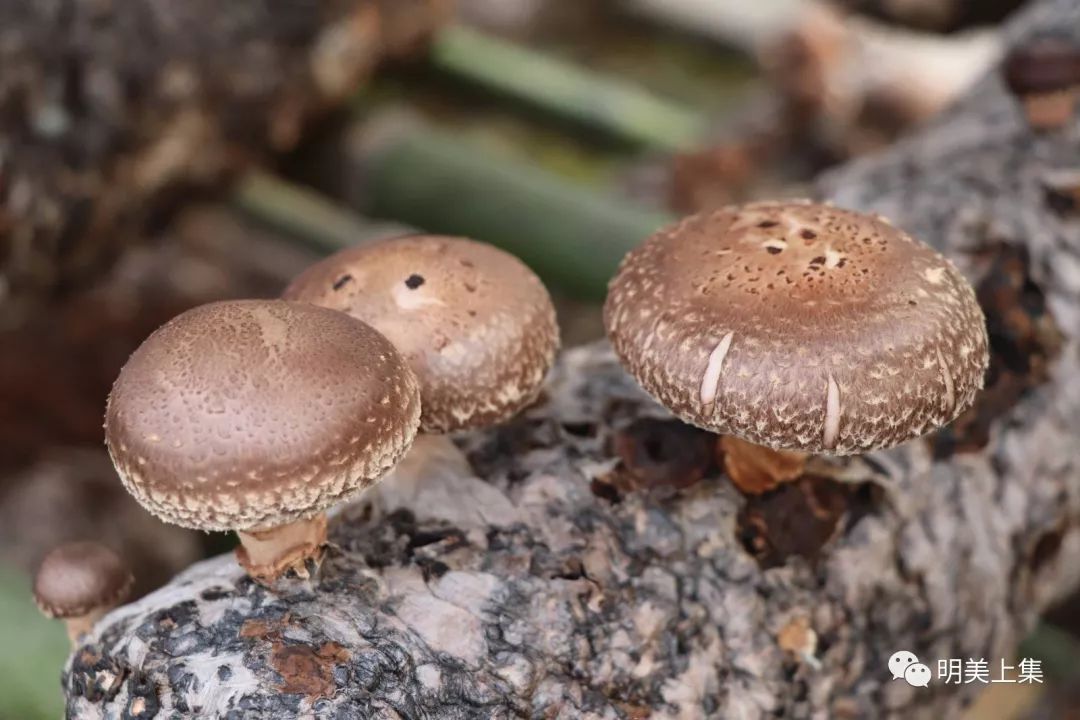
x: 476, y: 325
x: 78, y: 577
x: 247, y: 414
x: 799, y: 326
x: 552, y: 585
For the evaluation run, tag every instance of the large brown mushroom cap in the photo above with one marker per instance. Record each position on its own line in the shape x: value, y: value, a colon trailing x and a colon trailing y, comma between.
x: 77, y: 578
x: 251, y: 414
x: 799, y: 326
x: 476, y: 325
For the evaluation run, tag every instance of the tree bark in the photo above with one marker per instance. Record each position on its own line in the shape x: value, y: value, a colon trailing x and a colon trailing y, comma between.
x: 113, y: 111
x: 595, y: 563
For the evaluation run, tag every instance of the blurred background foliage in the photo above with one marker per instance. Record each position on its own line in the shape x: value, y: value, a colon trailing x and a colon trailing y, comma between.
x: 562, y: 131
x: 33, y: 648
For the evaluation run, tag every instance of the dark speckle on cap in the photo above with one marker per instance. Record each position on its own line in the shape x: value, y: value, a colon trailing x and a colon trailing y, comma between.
x: 476, y: 325
x: 799, y: 326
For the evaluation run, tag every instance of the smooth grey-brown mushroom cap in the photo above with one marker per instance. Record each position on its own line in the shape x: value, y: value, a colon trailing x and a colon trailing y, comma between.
x: 249, y: 414
x: 799, y: 326
x: 76, y: 578
x: 1045, y: 63
x: 475, y: 324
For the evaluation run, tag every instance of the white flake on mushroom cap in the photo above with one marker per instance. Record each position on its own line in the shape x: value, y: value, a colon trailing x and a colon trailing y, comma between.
x: 755, y: 320
x: 833, y: 411
x: 712, y: 371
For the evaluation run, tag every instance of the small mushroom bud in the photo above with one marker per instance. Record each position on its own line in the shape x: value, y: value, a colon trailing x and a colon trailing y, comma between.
x: 797, y: 327
x: 256, y: 416
x: 78, y: 583
x: 1044, y: 73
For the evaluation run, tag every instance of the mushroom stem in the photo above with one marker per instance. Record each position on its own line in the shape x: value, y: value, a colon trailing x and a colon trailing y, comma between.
x: 755, y: 469
x: 268, y: 553
x: 1048, y: 111
x: 81, y: 625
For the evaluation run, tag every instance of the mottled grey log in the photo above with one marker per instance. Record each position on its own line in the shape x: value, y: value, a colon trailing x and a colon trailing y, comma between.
x: 115, y: 112
x: 595, y: 563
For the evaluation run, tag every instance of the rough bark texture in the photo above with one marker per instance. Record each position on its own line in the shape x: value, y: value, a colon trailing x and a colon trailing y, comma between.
x: 595, y: 563
x: 112, y: 111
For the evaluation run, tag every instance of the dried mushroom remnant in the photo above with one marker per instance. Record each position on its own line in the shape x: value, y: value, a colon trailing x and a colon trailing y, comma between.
x: 257, y: 416
x: 798, y: 327
x: 798, y: 519
x: 1044, y: 73
x: 474, y: 323
x: 79, y: 582
x: 658, y: 454
x: 798, y: 638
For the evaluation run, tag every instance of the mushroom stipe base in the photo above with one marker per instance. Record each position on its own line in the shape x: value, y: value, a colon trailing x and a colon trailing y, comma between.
x: 756, y: 469
x: 79, y: 627
x: 1049, y: 111
x: 270, y: 553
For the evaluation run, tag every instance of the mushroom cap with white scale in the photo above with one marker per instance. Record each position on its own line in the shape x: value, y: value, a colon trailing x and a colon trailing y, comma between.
x: 799, y: 326
x: 76, y: 578
x: 78, y: 582
x: 251, y: 414
x: 475, y: 324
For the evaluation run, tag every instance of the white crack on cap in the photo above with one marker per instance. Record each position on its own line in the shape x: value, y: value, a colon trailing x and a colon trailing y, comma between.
x: 799, y: 326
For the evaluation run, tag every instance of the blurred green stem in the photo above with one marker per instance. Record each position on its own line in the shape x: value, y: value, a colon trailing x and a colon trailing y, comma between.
x: 573, y: 236
x: 600, y: 102
x: 305, y: 214
x: 397, y: 167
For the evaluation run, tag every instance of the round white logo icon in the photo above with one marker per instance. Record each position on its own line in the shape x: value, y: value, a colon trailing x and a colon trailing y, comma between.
x: 900, y: 661
x: 917, y: 675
